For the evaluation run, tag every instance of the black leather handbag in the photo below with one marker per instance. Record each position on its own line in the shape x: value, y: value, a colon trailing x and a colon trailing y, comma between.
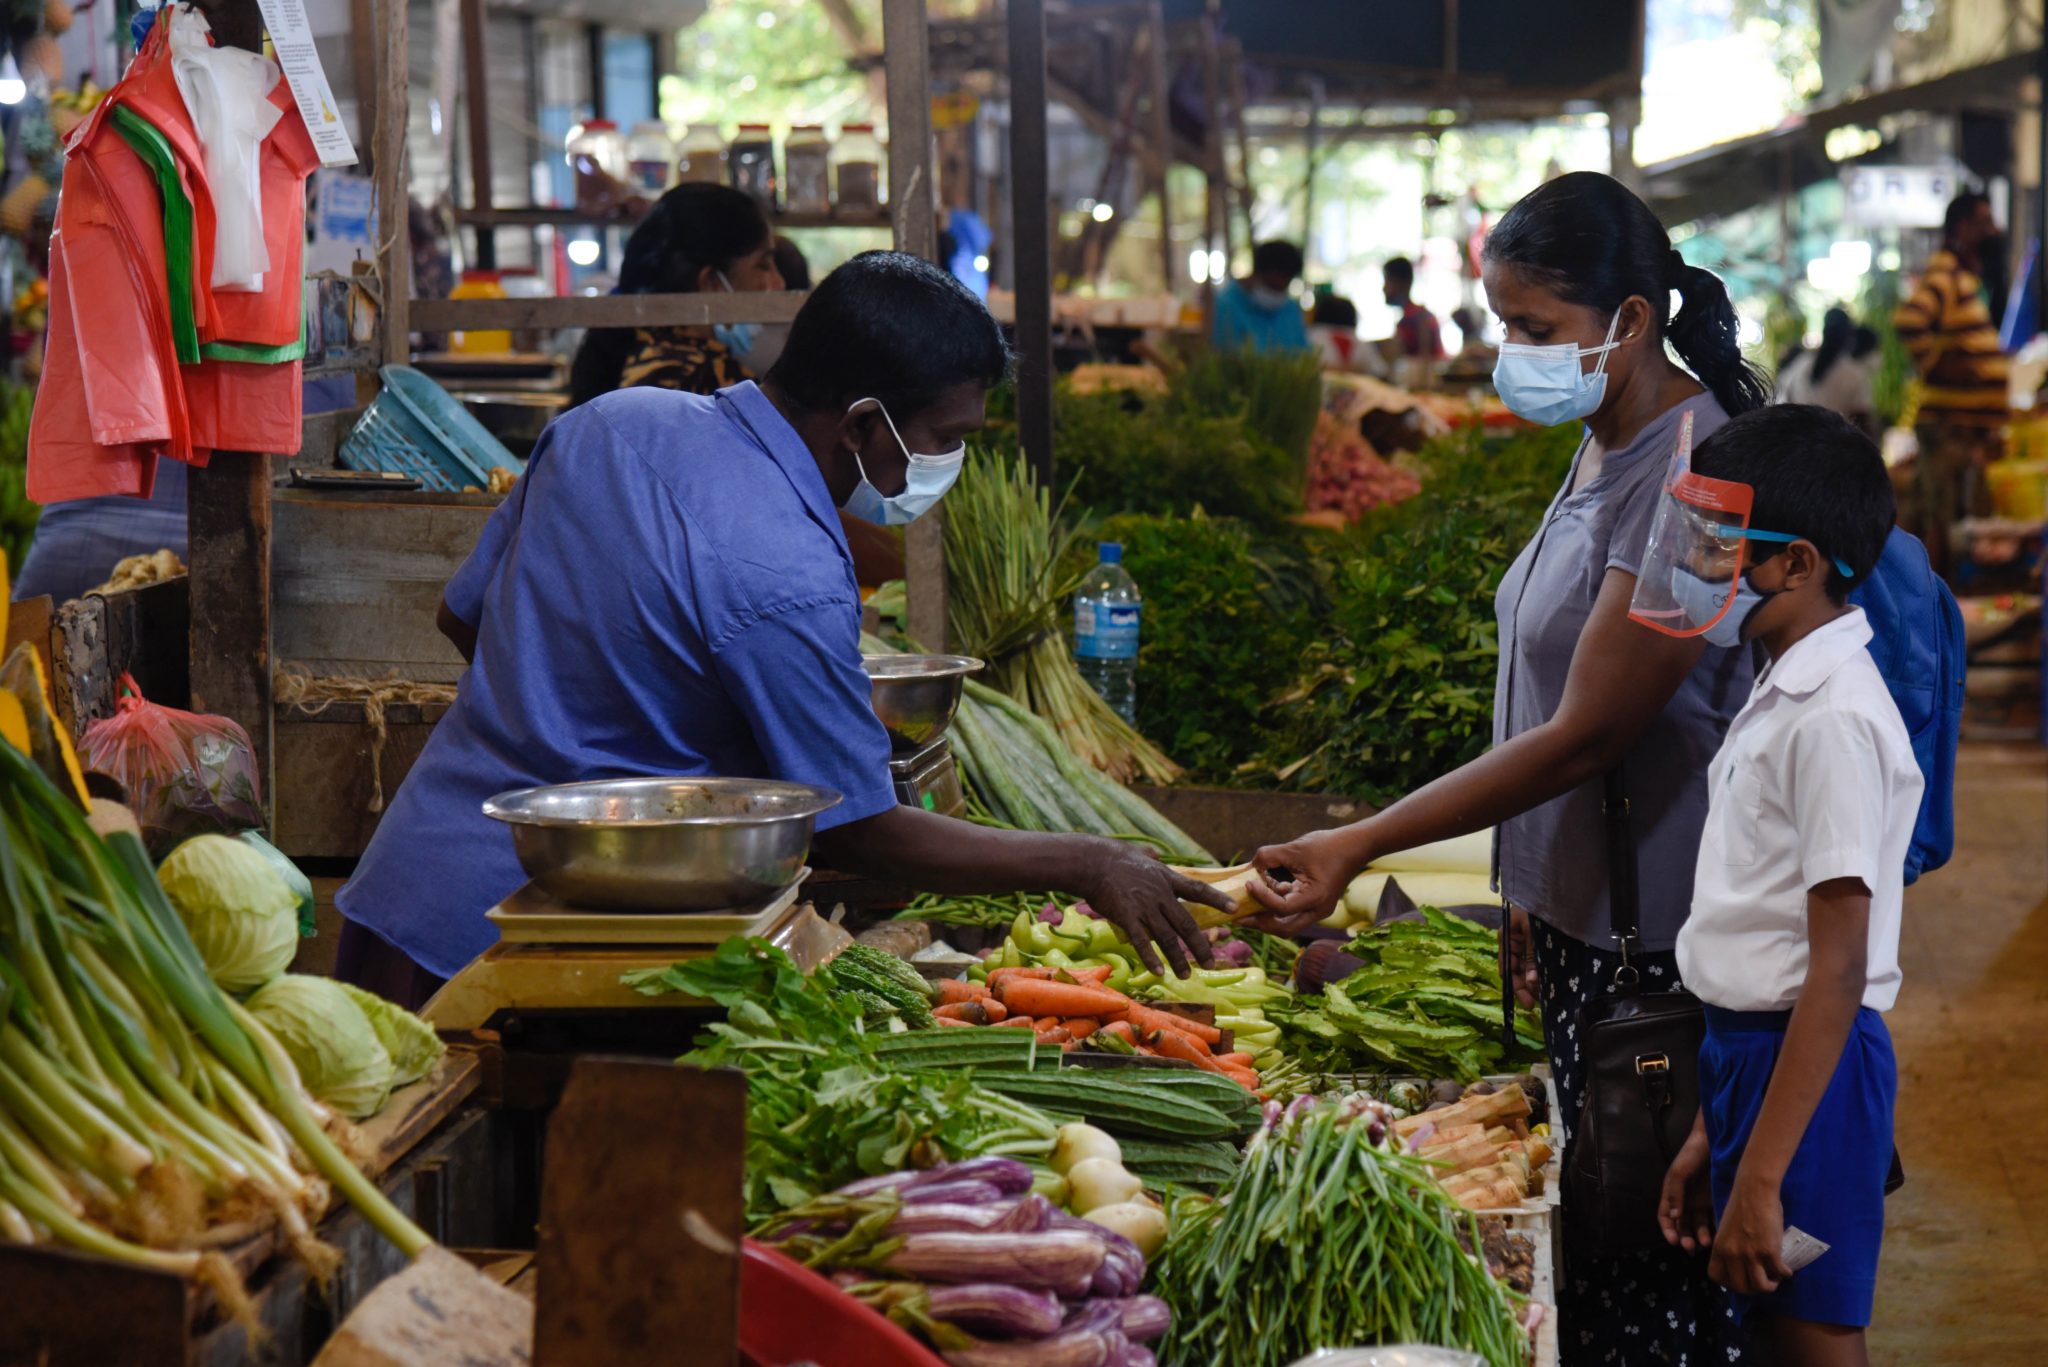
x: 1640, y: 1052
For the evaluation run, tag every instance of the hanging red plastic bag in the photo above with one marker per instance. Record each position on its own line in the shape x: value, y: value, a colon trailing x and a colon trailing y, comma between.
x: 185, y: 773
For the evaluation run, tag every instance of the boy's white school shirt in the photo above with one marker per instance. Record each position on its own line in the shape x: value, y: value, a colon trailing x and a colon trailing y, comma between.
x: 1816, y: 780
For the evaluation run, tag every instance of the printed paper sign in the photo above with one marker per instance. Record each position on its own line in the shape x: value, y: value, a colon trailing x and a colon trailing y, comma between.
x: 291, y: 38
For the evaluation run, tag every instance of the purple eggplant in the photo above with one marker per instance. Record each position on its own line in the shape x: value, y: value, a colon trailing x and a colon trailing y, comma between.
x: 1057, y: 1259
x: 1135, y: 1355
x: 1061, y: 1350
x: 888, y: 1181
x: 1144, y: 1318
x: 1007, y: 1175
x: 1031, y: 1215
x: 957, y: 1193
x: 946, y: 1217
x: 987, y: 1308
x: 1123, y: 1266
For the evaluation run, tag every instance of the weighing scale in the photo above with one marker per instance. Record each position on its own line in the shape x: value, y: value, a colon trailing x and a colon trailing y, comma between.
x: 927, y: 777
x: 554, y: 957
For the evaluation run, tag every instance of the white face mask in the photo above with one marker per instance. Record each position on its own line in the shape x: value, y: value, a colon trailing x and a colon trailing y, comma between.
x: 1549, y: 384
x: 924, y: 483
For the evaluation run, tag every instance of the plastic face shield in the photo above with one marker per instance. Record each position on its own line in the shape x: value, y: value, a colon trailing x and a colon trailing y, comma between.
x: 1694, y: 559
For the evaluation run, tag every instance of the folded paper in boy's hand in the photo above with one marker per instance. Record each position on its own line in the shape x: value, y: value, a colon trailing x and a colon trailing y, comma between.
x: 1800, y: 1249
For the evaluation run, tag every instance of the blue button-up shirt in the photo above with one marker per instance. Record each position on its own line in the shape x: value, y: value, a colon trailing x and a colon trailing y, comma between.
x: 667, y: 591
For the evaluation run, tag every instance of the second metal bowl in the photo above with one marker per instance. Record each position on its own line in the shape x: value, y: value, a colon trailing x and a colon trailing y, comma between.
x: 916, y: 695
x: 663, y: 844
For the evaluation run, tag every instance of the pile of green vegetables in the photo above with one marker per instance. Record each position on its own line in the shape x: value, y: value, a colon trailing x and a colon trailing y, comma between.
x: 1326, y: 1236
x: 1427, y: 1003
x: 1359, y: 662
x: 144, y: 1113
x: 245, y: 907
x: 18, y: 512
x: 824, y: 1107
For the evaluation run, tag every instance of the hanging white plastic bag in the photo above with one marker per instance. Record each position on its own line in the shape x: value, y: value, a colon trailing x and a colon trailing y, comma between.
x: 227, y: 93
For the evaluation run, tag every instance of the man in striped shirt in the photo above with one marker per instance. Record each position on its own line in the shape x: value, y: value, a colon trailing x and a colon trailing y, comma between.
x: 1946, y: 326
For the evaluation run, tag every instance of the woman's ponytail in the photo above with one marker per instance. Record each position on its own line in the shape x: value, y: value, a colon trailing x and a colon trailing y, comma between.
x: 1707, y: 337
x: 1588, y: 239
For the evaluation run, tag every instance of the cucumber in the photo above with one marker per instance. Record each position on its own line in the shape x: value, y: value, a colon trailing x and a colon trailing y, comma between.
x: 985, y: 1047
x: 1220, y: 1092
x: 1209, y: 1165
x: 1117, y: 1106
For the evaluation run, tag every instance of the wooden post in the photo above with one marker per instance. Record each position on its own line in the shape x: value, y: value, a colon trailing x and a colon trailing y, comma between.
x: 1162, y: 141
x: 394, y: 230
x: 641, y: 1217
x: 1031, y: 233
x: 476, y: 85
x: 912, y: 196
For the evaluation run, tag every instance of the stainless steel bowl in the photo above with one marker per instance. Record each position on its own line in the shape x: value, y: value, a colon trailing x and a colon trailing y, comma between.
x: 663, y: 844
x: 916, y: 695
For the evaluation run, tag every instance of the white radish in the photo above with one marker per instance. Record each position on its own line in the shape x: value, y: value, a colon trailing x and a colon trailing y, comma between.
x: 1077, y: 1142
x: 1143, y: 1224
x: 1096, y: 1182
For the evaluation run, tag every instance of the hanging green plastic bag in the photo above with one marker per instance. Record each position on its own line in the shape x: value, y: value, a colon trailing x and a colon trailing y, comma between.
x: 300, y: 885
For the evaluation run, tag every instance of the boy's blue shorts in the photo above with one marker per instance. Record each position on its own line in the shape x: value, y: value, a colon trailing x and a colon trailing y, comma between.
x: 1834, y: 1189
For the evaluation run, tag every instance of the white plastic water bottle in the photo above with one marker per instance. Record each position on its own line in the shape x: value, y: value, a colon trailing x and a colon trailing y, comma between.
x: 1106, y: 613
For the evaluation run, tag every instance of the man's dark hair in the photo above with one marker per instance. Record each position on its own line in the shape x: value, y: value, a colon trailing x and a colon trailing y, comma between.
x: 1334, y: 311
x: 1960, y: 209
x: 888, y: 326
x: 1277, y: 258
x: 1816, y: 477
x: 1399, y: 270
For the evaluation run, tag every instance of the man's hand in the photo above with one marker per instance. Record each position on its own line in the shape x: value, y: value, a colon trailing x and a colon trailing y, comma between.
x: 1751, y: 1237
x: 1518, y: 955
x: 1143, y: 898
x: 1301, y: 882
x: 1685, y: 1209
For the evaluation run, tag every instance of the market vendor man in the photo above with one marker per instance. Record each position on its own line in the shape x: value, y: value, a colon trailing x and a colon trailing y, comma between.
x: 668, y: 591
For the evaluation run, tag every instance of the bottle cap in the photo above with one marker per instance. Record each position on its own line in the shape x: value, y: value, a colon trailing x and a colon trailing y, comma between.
x: 1112, y: 552
x: 599, y: 125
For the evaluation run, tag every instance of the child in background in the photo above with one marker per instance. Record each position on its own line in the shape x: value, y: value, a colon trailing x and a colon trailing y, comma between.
x: 1793, y: 939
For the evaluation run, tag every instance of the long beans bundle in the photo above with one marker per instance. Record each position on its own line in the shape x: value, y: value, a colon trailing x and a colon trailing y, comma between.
x: 144, y: 1114
x: 1005, y: 593
x: 1328, y: 1238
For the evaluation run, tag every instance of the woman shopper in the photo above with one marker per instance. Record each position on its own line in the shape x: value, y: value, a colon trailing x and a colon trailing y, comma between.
x: 1839, y: 374
x: 1582, y: 274
x: 698, y: 238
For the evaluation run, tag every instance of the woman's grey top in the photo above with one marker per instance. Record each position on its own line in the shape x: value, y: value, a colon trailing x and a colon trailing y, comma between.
x: 1552, y: 860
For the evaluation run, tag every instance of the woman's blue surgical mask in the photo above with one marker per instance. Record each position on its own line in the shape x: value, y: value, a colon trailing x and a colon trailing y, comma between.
x: 738, y: 338
x: 924, y: 483
x: 1549, y: 384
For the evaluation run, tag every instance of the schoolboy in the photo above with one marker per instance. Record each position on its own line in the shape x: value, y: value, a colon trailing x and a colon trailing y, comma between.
x: 1793, y: 939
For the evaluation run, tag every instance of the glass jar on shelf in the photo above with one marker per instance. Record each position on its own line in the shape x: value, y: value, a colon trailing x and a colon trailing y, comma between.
x: 597, y: 154
x: 750, y: 161
x: 807, y: 170
x: 650, y: 158
x: 490, y: 341
x: 702, y: 156
x: 857, y: 166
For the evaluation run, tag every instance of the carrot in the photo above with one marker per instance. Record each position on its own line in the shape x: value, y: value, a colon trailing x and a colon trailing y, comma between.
x: 1145, y: 1018
x: 1039, y: 998
x: 1122, y: 1030
x: 1056, y: 1035
x: 948, y: 1020
x: 953, y: 991
x: 1024, y: 1021
x: 1237, y: 1060
x: 1243, y: 1077
x: 970, y: 1012
x: 1173, y: 1044
x: 1001, y: 975
x: 1081, y: 1027
x: 997, y: 1013
x: 1094, y: 973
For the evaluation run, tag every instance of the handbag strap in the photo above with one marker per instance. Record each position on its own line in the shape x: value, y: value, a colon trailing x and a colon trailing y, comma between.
x: 1623, y: 891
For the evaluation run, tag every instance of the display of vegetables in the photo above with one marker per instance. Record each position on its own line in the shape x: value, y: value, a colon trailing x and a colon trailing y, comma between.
x: 1427, y: 1002
x: 351, y: 1048
x: 1346, y: 476
x: 1327, y: 1237
x: 987, y: 1270
x: 144, y: 1114
x: 1482, y: 1146
x: 826, y: 1104
x: 241, y: 914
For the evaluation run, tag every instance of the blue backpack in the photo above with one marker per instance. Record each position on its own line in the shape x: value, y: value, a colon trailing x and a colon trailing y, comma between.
x: 1917, y: 642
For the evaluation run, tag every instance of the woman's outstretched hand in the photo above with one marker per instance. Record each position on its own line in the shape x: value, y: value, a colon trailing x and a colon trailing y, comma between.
x: 1301, y: 882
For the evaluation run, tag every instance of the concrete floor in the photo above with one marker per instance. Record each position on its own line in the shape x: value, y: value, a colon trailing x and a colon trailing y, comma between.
x: 1964, y: 1262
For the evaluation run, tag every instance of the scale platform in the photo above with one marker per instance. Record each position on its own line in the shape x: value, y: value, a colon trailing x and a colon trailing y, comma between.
x: 554, y: 957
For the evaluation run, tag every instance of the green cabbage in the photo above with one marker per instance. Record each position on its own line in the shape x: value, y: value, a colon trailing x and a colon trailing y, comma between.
x: 294, y: 877
x: 242, y: 916
x: 335, y: 1048
x: 411, y: 1042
